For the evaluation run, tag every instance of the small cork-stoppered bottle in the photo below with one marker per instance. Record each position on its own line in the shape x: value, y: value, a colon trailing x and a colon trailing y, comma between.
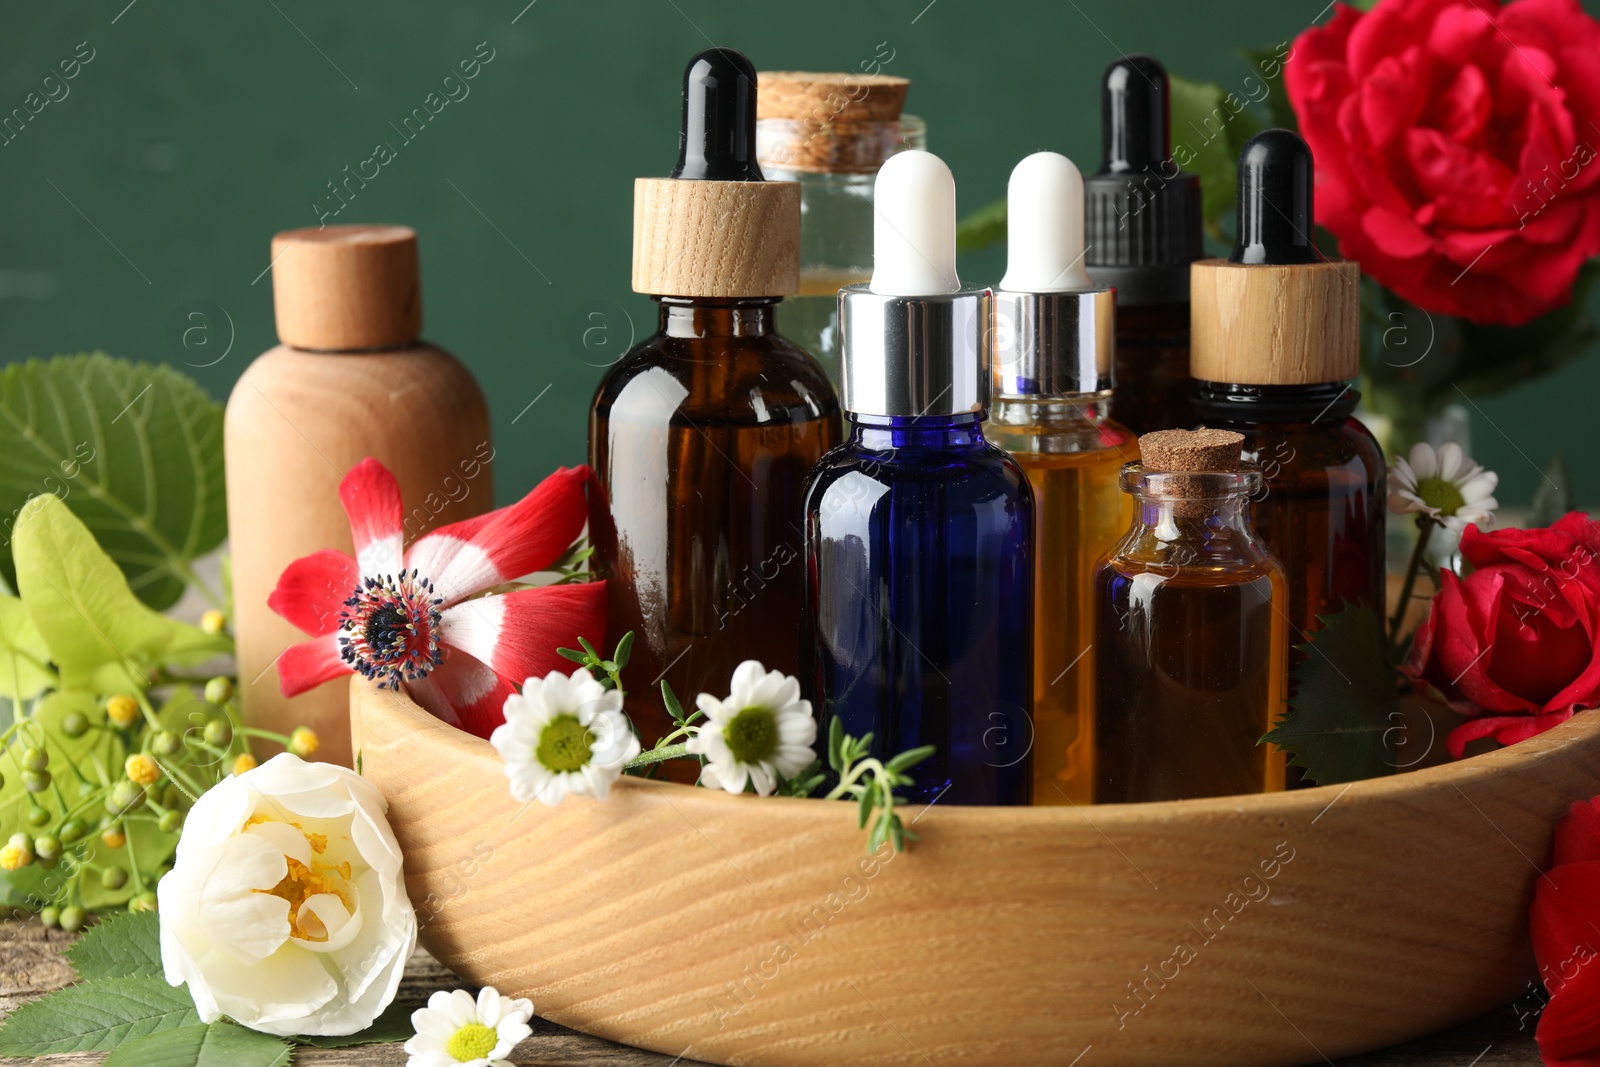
x: 919, y: 533
x: 1144, y: 229
x: 349, y: 380
x: 701, y: 436
x: 1191, y: 650
x: 1053, y: 338
x: 830, y: 133
x: 1275, y: 347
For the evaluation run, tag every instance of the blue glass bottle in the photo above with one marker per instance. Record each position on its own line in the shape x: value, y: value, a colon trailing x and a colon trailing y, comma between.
x: 919, y: 544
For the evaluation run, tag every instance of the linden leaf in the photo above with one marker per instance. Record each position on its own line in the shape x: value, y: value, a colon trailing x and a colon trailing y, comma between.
x: 134, y: 449
x: 24, y: 658
x: 96, y: 1017
x: 121, y: 945
x: 99, y: 634
x: 218, y: 1045
x: 1340, y: 717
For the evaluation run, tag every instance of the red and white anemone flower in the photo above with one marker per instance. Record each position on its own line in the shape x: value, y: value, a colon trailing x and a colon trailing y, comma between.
x: 414, y: 615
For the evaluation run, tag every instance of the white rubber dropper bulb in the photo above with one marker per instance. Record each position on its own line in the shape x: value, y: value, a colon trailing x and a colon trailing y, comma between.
x: 914, y: 227
x: 1044, y: 226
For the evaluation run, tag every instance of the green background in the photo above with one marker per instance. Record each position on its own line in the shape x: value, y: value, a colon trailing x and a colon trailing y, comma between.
x: 200, y: 128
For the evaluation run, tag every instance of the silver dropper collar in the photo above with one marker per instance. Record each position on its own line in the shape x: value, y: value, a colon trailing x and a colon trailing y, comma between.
x: 1054, y: 344
x: 914, y: 355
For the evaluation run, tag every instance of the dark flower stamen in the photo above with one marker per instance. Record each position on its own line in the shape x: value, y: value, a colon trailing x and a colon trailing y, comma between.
x: 390, y: 629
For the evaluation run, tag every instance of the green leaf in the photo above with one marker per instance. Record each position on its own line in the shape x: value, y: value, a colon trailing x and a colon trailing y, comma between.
x: 218, y: 1045
x: 1339, y: 719
x: 573, y: 654
x: 393, y: 1025
x: 121, y: 945
x: 135, y: 450
x: 1209, y: 126
x: 864, y: 807
x: 908, y: 759
x: 670, y: 699
x: 624, y: 650
x: 984, y: 227
x: 101, y: 637
x: 96, y: 1017
x: 24, y: 658
x: 1553, y: 497
x: 1268, y: 72
x: 147, y: 846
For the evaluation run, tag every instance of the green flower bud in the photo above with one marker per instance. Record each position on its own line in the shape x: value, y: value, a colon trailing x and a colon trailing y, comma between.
x: 47, y: 847
x: 72, y: 918
x: 219, y: 690
x: 219, y: 732
x: 170, y: 822
x: 166, y: 743
x: 50, y: 916
x: 38, y: 818
x: 114, y: 878
x: 145, y: 901
x: 35, y: 758
x: 75, y: 724
x: 125, y: 796
x: 73, y: 829
x: 36, y: 781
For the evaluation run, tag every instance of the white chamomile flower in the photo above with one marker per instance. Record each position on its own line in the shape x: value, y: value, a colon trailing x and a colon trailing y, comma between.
x: 456, y: 1031
x: 763, y: 729
x: 564, y: 734
x: 1444, y: 485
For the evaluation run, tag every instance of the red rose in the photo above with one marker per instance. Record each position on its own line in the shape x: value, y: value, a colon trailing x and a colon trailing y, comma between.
x: 1516, y: 643
x: 1565, y: 926
x: 1455, y: 143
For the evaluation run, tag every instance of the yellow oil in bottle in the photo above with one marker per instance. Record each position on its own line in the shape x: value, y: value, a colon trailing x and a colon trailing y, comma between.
x: 1073, y: 456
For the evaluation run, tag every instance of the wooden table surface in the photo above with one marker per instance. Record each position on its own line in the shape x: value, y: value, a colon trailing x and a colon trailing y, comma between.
x: 31, y: 964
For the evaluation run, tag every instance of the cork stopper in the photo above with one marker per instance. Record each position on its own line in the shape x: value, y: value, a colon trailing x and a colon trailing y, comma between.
x: 1271, y: 324
x: 835, y: 98
x: 346, y: 288
x: 1191, y: 451
x: 829, y: 123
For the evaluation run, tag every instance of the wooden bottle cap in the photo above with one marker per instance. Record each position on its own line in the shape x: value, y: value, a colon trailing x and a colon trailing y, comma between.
x: 715, y: 239
x: 344, y: 288
x: 800, y: 94
x: 1265, y: 324
x: 1191, y: 451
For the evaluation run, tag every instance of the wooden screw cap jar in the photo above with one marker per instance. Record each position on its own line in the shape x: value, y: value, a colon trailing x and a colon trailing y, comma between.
x: 350, y: 380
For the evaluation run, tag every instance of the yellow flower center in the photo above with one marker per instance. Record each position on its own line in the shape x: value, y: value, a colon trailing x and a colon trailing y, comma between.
x: 565, y: 744
x: 142, y: 769
x: 302, y: 882
x: 1442, y: 494
x: 752, y: 735
x: 13, y: 858
x: 473, y: 1041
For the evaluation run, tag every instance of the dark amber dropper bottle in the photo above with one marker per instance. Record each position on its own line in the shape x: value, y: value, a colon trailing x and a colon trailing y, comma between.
x: 701, y: 436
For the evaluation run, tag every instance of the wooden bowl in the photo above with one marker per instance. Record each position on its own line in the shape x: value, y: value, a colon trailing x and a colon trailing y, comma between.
x: 1239, y: 931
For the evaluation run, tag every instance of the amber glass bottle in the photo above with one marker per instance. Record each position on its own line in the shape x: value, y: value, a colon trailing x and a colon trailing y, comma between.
x: 1192, y: 649
x: 1275, y: 342
x: 700, y: 437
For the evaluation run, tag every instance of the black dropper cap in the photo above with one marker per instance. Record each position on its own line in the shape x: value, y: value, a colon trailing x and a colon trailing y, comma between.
x: 1142, y: 214
x: 718, y: 139
x: 1275, y: 210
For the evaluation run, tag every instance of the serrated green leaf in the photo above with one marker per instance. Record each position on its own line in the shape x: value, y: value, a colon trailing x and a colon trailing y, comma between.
x: 217, y: 1045
x: 134, y: 449
x: 101, y: 637
x: 1209, y: 126
x: 393, y: 1025
x: 121, y: 945
x: 984, y: 227
x: 24, y: 658
x: 1339, y: 720
x: 96, y: 1017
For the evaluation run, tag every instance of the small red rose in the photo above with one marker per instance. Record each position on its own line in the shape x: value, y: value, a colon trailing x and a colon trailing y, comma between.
x: 1456, y: 143
x: 1516, y: 643
x: 1565, y: 926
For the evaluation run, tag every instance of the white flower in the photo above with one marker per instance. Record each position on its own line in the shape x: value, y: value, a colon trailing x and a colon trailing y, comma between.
x: 761, y: 730
x: 456, y: 1030
x: 286, y: 909
x: 1444, y: 485
x: 564, y: 734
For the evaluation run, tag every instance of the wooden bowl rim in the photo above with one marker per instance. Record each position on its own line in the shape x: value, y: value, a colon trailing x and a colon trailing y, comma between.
x: 1522, y: 756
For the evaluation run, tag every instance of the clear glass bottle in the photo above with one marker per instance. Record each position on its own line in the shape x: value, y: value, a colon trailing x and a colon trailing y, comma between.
x: 830, y: 133
x: 1192, y: 650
